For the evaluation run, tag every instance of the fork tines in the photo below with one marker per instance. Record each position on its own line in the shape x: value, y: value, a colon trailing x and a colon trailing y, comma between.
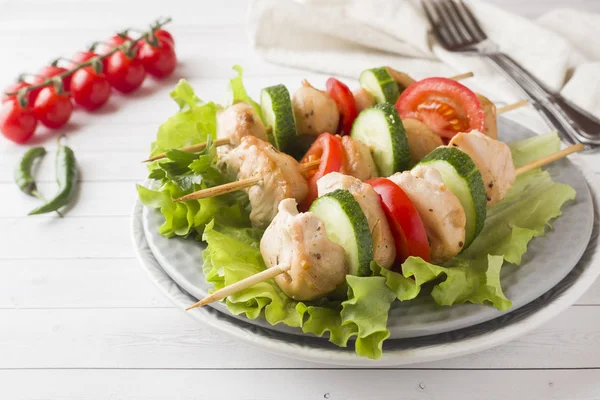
x: 453, y: 24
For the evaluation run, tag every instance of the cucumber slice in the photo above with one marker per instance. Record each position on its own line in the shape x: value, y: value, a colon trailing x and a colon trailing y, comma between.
x: 347, y: 226
x: 278, y: 116
x: 463, y: 178
x: 381, y: 128
x: 380, y: 84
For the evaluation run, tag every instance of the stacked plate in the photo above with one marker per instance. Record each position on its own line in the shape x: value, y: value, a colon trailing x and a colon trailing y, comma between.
x: 556, y: 270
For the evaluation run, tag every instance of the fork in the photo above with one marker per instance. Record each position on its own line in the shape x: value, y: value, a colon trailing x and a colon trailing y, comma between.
x: 457, y: 30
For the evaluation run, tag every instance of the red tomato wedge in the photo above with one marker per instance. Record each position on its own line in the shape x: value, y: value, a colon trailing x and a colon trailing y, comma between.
x: 328, y: 148
x: 344, y: 99
x: 444, y: 105
x: 405, y: 222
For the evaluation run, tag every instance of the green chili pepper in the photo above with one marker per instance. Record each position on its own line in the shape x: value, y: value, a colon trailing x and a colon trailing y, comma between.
x: 66, y: 177
x: 23, y: 176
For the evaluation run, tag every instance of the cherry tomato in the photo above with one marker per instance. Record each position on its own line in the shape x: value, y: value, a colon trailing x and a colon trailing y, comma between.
x: 15, y: 87
x: 160, y: 60
x: 117, y: 40
x: 50, y: 71
x: 124, y: 73
x: 327, y: 148
x: 83, y: 56
x: 444, y: 105
x: 165, y: 36
x: 51, y: 108
x: 344, y: 99
x: 89, y: 88
x: 404, y: 219
x: 17, y: 123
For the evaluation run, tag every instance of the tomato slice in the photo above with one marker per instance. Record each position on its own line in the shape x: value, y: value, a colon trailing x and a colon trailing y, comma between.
x: 346, y: 103
x: 444, y: 105
x: 405, y: 222
x: 328, y: 148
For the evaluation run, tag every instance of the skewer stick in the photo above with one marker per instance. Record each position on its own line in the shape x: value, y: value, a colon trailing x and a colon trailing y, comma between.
x: 237, y: 185
x: 460, y: 77
x: 279, y: 269
x: 549, y: 159
x: 241, y: 285
x: 225, y: 141
x: 513, y: 106
x: 193, y: 148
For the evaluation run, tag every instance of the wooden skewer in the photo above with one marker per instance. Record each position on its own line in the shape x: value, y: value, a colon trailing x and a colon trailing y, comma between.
x: 460, y: 77
x: 513, y: 106
x: 225, y: 141
x: 237, y: 185
x: 279, y: 269
x: 241, y: 285
x: 193, y: 148
x: 551, y: 158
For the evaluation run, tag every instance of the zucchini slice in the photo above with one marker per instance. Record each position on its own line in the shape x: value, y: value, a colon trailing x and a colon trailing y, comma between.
x: 380, y: 84
x: 347, y: 226
x: 461, y: 176
x: 381, y: 128
x: 278, y: 116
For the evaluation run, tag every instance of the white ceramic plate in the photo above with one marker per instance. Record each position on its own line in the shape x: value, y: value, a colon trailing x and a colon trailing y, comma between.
x: 548, y: 260
x: 396, y: 352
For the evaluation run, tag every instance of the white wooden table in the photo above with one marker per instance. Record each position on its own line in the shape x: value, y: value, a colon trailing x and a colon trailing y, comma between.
x: 79, y: 319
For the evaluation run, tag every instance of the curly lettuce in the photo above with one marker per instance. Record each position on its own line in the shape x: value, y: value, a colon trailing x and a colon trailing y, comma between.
x: 195, y: 121
x: 237, y: 91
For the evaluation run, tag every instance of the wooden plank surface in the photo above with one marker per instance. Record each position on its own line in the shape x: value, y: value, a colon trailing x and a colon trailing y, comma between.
x: 81, y: 320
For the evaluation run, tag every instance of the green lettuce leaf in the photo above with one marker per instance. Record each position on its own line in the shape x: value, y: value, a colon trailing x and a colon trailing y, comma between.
x: 234, y: 254
x: 524, y: 151
x: 181, y: 173
x: 237, y: 91
x: 194, y: 123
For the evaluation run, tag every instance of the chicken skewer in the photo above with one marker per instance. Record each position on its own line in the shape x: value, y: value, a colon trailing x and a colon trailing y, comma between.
x: 280, y: 268
x: 417, y: 143
x: 259, y: 131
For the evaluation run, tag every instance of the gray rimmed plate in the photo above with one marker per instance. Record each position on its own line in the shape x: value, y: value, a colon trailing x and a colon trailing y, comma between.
x: 548, y: 260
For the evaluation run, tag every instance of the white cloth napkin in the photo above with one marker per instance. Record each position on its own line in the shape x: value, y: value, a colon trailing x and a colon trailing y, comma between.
x: 344, y: 37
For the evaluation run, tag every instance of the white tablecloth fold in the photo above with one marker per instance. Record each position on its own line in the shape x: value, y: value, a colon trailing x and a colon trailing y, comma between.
x: 344, y: 37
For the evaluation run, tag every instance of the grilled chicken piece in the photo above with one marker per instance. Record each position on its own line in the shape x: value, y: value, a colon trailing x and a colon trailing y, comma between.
x: 441, y: 211
x: 384, y: 248
x: 403, y: 80
x: 300, y: 240
x: 493, y: 159
x: 421, y: 139
x: 359, y: 161
x: 489, y: 115
x: 238, y: 121
x: 280, y: 173
x: 314, y: 110
x: 363, y: 99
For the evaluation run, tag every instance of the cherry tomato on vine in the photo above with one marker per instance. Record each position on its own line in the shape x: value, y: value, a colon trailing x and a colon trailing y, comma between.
x: 15, y: 87
x: 83, y: 56
x: 90, y: 89
x: 124, y: 73
x: 51, y: 108
x: 17, y: 123
x: 159, y: 60
x: 165, y: 35
x: 50, y: 71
